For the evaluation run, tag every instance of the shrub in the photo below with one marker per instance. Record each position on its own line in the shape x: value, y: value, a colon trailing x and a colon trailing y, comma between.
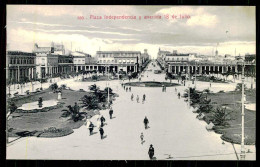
x: 63, y: 86
x: 220, y: 116
x: 94, y: 77
x: 54, y: 86
x: 11, y: 106
x: 239, y: 87
x: 110, y: 90
x: 94, y: 88
x: 134, y: 74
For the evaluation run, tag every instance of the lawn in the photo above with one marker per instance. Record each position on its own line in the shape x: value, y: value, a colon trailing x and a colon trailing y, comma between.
x: 231, y: 100
x: 42, y: 121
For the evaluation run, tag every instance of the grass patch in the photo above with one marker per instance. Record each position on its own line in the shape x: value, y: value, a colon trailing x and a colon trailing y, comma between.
x: 23, y: 123
x: 232, y: 132
x: 56, y: 132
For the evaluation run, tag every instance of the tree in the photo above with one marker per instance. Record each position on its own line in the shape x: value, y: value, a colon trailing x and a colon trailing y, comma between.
x: 110, y: 90
x: 239, y: 87
x: 90, y: 102
x: 220, y: 116
x: 12, y: 107
x: 54, y: 87
x: 205, y: 106
x: 206, y: 91
x: 94, y: 88
x: 94, y: 77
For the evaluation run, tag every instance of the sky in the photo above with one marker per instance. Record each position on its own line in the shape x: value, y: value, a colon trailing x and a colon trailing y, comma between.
x: 230, y: 30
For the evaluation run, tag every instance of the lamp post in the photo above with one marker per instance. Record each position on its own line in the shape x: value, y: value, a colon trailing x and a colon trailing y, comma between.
x: 196, y: 76
x: 108, y: 101
x: 242, y: 155
x: 189, y: 86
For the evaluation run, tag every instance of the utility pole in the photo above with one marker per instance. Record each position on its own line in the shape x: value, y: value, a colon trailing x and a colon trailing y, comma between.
x: 242, y: 155
x: 196, y: 74
x: 108, y: 89
x: 189, y: 84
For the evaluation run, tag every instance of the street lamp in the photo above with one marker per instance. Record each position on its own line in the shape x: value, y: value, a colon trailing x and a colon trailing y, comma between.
x: 189, y: 85
x: 196, y: 76
x: 108, y: 101
x: 242, y: 155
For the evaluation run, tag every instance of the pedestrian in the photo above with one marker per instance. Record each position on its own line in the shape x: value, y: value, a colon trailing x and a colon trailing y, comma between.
x: 76, y: 108
x: 111, y: 112
x: 179, y: 95
x: 98, y: 124
x: 137, y: 99
x: 126, y: 89
x: 184, y: 83
x: 102, y: 119
x: 144, y: 97
x: 142, y: 137
x: 146, y: 121
x: 164, y: 88
x: 132, y: 96
x: 175, y: 89
x: 91, y: 128
x: 129, y: 89
x: 101, y: 132
x: 151, y: 152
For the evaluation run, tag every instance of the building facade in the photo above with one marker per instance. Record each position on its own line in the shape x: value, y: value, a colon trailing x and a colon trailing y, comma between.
x: 115, y: 61
x: 198, y: 64
x: 47, y: 65
x: 20, y: 66
x: 51, y: 60
x: 65, y: 63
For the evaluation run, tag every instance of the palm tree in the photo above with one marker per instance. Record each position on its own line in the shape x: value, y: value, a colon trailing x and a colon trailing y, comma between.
x: 207, y: 91
x: 94, y: 88
x: 220, y: 116
x: 110, y: 90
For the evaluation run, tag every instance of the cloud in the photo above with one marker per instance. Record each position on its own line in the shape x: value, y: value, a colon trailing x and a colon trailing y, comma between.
x: 205, y: 20
x: 198, y: 16
x: 206, y: 27
x: 46, y: 10
x: 82, y: 31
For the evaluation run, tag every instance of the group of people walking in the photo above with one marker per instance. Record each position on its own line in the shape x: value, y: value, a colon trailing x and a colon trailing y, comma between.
x: 127, y: 88
x: 163, y: 88
x: 137, y: 98
x: 100, y: 124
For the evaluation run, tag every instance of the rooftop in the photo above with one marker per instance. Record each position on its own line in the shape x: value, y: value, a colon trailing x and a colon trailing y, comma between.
x: 119, y: 52
x: 20, y: 53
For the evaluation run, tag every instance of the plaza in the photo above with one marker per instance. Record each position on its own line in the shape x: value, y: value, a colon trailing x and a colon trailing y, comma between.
x: 174, y: 129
